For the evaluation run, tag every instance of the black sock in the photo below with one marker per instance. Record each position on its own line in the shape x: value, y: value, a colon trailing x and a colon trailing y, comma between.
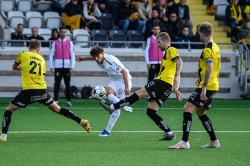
x: 187, y: 122
x: 158, y: 120
x: 208, y: 126
x: 6, y: 121
x: 127, y: 101
x: 67, y: 113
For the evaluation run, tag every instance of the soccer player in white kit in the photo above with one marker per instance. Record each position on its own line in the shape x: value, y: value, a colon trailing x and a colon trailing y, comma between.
x: 120, y: 81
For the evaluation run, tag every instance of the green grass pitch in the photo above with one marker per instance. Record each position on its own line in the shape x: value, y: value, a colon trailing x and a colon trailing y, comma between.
x: 39, y: 137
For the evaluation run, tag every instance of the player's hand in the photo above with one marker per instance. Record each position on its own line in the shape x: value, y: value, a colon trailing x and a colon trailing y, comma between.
x: 52, y: 70
x: 127, y: 91
x: 149, y: 66
x: 197, y: 82
x: 203, y: 94
x: 178, y: 95
x: 80, y: 58
x: 71, y: 70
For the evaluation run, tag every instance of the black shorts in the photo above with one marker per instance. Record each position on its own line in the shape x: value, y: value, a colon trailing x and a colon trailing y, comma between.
x: 159, y: 91
x: 196, y: 100
x: 26, y: 97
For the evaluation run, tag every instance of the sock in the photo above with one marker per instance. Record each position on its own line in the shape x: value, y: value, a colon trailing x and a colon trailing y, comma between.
x: 208, y: 126
x: 115, y: 115
x: 113, y: 98
x: 158, y: 120
x: 125, y: 102
x: 6, y: 121
x: 67, y: 113
x: 113, y: 118
x: 187, y: 116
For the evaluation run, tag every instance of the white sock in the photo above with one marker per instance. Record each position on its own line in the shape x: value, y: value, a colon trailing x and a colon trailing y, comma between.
x: 113, y: 118
x: 170, y: 132
x: 115, y: 115
x: 114, y: 100
x: 3, y: 135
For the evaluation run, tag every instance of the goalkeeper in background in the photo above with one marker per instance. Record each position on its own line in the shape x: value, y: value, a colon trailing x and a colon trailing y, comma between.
x: 120, y: 81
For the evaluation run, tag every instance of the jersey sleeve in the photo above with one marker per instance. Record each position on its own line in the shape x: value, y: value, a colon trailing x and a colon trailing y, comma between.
x: 173, y: 53
x: 19, y: 57
x: 207, y: 55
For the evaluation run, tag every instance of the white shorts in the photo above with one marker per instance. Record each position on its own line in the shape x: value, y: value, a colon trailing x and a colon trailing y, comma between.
x: 119, y: 87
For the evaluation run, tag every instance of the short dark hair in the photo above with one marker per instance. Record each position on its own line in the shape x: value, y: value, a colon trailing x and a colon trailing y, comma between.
x: 184, y: 27
x: 156, y: 25
x: 34, y: 44
x: 19, y: 25
x: 96, y: 50
x: 62, y: 28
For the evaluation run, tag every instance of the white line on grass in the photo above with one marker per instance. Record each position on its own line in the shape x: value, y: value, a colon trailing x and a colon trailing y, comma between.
x: 23, y: 132
x: 100, y: 108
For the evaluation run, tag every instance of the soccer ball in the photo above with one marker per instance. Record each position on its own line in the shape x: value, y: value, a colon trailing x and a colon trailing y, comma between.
x: 98, y: 92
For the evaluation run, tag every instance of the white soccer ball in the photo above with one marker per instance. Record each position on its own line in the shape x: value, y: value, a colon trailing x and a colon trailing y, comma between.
x: 98, y: 92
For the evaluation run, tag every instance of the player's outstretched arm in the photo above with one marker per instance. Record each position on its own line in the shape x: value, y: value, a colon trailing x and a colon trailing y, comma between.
x: 84, y: 58
x: 177, y: 78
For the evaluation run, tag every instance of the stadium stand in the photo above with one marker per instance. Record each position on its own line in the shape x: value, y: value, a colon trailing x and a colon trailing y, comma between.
x: 107, y: 21
x: 14, y: 18
x: 45, y: 33
x: 24, y: 5
x: 117, y: 35
x: 99, y: 35
x: 134, y: 35
x: 34, y: 19
x: 81, y: 35
x: 52, y: 20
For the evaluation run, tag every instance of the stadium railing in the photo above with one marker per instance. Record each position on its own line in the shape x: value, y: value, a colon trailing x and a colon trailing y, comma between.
x: 6, y: 43
x: 243, y: 67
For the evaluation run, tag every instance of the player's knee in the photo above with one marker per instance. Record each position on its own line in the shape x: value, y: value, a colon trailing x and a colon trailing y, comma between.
x: 150, y: 112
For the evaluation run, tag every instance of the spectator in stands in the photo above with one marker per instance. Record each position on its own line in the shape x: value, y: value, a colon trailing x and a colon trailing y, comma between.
x: 163, y: 10
x: 34, y: 31
x: 184, y: 38
x: 234, y: 18
x: 54, y: 35
x: 247, y: 10
x: 211, y: 7
x: 153, y: 55
x: 196, y: 38
x: 72, y: 16
x: 173, y: 27
x: 145, y: 13
x: 92, y: 14
x: 62, y: 63
x: 105, y: 6
x: 154, y: 20
x: 58, y: 5
x: 18, y: 35
x: 127, y: 16
x: 245, y: 31
x: 183, y: 14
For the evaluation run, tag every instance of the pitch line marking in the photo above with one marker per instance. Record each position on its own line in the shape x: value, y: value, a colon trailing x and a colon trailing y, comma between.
x: 24, y: 132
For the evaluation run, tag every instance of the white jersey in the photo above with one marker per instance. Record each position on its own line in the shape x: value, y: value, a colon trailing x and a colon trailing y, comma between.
x: 113, y: 67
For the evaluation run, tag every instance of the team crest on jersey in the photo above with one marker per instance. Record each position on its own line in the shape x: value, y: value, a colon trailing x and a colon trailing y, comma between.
x: 117, y: 69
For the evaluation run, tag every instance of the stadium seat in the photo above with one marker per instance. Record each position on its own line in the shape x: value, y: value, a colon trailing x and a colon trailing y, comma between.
x: 34, y: 19
x: 7, y: 5
x: 14, y: 18
x: 45, y: 33
x: 107, y: 21
x: 99, y: 35
x: 81, y: 35
x: 68, y: 35
x: 135, y: 35
x: 220, y: 12
x: 117, y: 35
x: 52, y: 20
x: 27, y: 31
x: 24, y: 5
x: 220, y: 2
x: 43, y: 6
